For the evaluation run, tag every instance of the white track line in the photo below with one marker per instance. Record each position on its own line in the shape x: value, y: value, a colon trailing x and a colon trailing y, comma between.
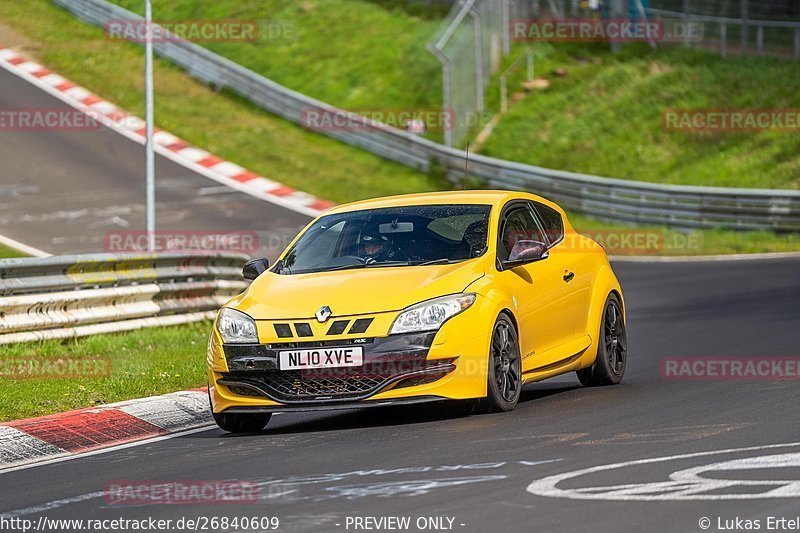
x: 548, y: 486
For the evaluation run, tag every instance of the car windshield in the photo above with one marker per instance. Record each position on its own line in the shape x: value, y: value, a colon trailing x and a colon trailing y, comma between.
x: 392, y: 236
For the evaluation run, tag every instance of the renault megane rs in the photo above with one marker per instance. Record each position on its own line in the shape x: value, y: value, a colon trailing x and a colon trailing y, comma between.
x: 458, y: 295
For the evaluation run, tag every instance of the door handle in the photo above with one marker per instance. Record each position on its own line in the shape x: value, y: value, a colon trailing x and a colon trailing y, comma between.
x: 568, y: 276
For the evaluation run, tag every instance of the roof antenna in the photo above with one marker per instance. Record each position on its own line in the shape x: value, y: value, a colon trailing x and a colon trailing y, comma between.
x: 466, y: 169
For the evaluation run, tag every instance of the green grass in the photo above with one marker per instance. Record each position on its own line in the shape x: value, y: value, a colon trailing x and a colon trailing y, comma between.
x: 6, y: 252
x: 605, y: 117
x: 351, y: 53
x: 142, y: 363
x: 222, y: 123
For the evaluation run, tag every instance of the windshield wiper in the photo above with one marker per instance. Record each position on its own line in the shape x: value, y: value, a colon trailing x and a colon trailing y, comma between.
x: 442, y: 261
x: 366, y: 265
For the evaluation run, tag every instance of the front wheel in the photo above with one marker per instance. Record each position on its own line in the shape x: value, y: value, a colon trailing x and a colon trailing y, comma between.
x: 612, y: 348
x: 239, y: 422
x: 242, y: 423
x: 505, y: 368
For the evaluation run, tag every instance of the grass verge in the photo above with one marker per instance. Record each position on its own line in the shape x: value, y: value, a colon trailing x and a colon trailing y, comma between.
x: 142, y: 363
x: 356, y: 54
x: 6, y: 252
x: 602, y: 114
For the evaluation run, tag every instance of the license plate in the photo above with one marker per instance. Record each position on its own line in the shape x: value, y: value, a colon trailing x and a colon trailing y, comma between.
x: 331, y: 357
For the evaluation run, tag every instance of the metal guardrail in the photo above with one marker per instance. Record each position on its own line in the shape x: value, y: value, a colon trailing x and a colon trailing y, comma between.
x: 604, y: 198
x: 72, y: 296
x: 718, y: 39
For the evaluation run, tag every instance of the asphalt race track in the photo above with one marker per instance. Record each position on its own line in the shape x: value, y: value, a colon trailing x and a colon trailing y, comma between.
x: 63, y: 191
x: 320, y: 471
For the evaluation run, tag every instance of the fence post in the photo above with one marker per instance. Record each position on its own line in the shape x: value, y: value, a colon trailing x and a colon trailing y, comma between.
x: 615, y: 13
x: 760, y: 40
x: 744, y: 16
x: 479, y: 76
x: 723, y: 40
x: 448, y: 101
x: 447, y: 96
x: 503, y: 94
x: 686, y: 13
x: 506, y: 31
x: 797, y: 43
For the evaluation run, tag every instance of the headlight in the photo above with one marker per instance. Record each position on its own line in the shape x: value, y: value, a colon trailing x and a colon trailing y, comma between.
x: 430, y: 315
x: 236, y: 327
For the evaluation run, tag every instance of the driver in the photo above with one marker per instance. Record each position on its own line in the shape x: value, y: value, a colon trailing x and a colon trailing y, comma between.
x: 376, y: 247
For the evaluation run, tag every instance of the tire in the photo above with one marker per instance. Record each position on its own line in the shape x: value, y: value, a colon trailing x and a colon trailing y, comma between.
x: 505, y: 368
x: 612, y: 349
x: 240, y: 422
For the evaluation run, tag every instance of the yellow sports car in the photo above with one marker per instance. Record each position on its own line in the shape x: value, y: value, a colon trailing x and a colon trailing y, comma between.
x: 409, y: 299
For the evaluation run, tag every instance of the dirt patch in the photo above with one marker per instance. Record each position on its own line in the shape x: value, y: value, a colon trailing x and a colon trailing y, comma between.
x: 9, y: 37
x: 659, y: 68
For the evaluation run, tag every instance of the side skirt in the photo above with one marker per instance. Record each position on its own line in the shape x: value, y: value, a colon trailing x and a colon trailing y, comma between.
x: 577, y: 348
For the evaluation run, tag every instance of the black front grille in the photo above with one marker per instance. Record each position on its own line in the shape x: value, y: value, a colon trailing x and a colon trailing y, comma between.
x: 300, y: 384
x: 338, y: 327
x: 335, y: 383
x: 245, y: 391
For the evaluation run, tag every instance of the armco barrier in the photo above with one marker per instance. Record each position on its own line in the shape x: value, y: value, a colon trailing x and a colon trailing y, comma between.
x: 605, y: 198
x: 72, y: 296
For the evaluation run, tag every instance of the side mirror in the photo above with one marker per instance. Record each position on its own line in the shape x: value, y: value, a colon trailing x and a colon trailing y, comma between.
x: 254, y: 268
x: 525, y: 252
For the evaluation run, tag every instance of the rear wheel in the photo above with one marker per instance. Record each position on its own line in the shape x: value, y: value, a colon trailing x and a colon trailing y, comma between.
x: 612, y: 348
x: 505, y: 368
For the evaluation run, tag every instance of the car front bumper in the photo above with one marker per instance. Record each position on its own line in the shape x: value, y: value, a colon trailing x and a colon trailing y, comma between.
x: 406, y: 368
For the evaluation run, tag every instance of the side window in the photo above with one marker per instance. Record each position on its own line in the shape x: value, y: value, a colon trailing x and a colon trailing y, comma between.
x: 553, y: 224
x: 519, y: 225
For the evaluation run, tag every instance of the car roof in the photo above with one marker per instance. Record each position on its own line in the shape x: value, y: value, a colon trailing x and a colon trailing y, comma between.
x: 487, y: 197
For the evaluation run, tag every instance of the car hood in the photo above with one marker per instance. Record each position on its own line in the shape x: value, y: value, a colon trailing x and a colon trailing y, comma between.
x: 353, y: 292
